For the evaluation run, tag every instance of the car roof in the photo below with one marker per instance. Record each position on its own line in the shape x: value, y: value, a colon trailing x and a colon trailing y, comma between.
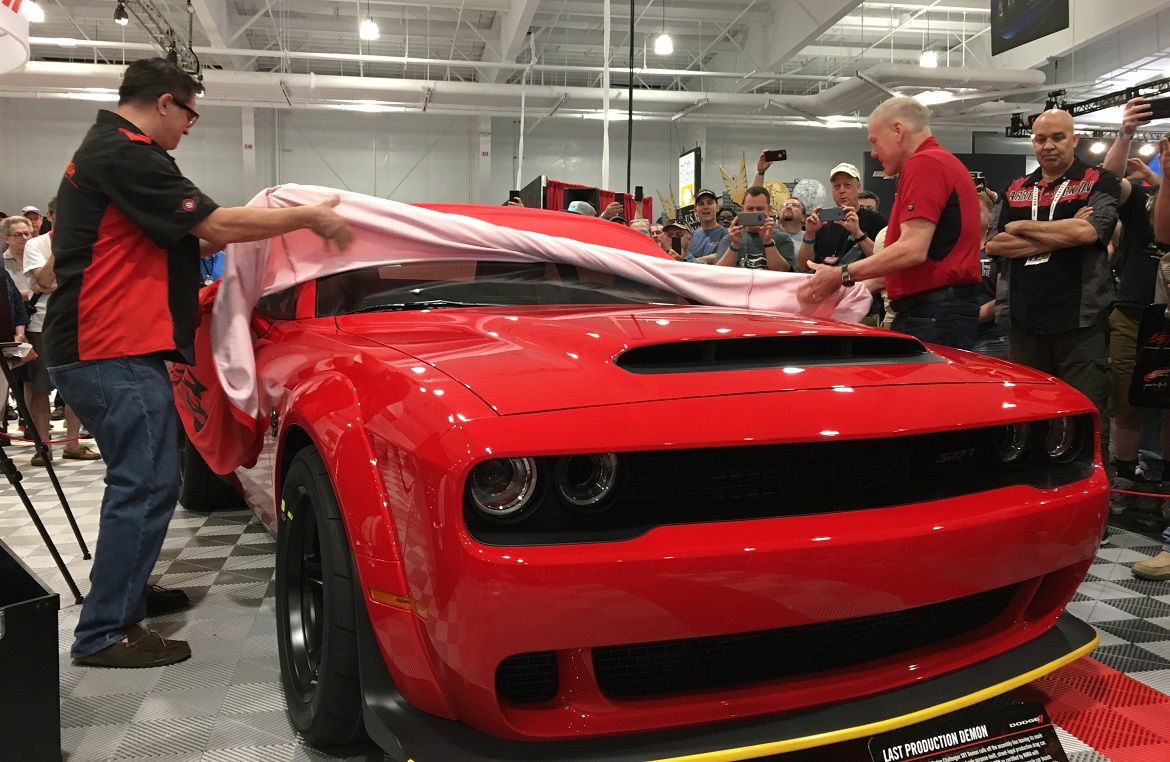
x: 564, y: 224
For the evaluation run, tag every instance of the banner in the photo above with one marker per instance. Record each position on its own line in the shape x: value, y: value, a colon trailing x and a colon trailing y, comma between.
x: 14, y: 51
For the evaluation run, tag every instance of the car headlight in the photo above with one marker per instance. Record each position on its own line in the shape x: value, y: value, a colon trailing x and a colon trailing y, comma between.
x: 1011, y: 442
x: 1061, y: 440
x: 586, y: 482
x: 503, y: 489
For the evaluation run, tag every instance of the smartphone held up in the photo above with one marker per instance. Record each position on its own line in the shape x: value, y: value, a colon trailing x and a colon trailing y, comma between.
x: 778, y: 155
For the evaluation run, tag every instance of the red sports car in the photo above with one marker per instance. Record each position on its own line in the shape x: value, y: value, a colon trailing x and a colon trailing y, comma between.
x: 533, y: 511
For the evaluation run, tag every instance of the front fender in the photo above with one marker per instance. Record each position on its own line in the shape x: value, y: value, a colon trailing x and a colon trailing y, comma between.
x: 327, y: 409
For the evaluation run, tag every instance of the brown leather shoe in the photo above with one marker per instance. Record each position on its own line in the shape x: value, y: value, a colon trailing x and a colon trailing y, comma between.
x: 139, y: 649
x: 1157, y: 568
x: 81, y: 453
x: 38, y: 461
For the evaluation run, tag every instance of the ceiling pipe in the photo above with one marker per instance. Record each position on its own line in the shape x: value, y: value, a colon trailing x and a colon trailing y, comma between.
x: 461, y: 63
x: 851, y: 96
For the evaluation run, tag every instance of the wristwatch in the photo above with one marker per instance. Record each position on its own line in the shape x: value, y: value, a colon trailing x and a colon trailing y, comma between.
x: 771, y: 244
x: 846, y: 278
x: 857, y: 241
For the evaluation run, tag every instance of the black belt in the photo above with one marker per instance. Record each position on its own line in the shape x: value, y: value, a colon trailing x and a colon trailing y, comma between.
x: 964, y: 292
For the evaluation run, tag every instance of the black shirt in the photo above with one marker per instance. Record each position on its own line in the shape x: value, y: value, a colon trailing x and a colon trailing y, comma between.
x: 834, y: 242
x: 1069, y: 288
x: 127, y: 267
x: 1137, y: 255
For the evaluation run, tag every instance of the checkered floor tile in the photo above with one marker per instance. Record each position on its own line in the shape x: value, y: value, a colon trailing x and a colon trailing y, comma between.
x: 226, y: 705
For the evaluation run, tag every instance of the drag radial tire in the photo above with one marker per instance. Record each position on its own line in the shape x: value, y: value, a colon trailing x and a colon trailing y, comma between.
x: 316, y: 627
x: 203, y: 490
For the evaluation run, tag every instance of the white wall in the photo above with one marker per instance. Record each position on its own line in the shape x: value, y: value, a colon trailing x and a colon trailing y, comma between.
x: 412, y: 157
x: 38, y: 137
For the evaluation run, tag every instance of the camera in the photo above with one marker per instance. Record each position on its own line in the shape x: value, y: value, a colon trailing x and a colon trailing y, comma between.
x: 778, y: 155
x: 832, y: 214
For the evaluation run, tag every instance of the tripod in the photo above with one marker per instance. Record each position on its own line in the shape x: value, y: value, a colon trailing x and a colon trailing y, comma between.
x: 12, y: 473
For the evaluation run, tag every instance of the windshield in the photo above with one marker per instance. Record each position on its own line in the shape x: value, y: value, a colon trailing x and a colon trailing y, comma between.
x: 463, y: 283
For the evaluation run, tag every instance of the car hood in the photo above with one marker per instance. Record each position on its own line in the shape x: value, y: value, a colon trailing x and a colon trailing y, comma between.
x: 533, y: 359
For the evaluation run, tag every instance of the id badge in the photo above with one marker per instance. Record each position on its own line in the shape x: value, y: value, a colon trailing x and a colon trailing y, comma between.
x: 1039, y: 259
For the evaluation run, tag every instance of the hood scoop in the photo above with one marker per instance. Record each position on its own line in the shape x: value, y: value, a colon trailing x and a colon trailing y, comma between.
x: 773, y: 352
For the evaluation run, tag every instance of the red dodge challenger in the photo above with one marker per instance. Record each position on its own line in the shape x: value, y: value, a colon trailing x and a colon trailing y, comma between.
x: 530, y: 511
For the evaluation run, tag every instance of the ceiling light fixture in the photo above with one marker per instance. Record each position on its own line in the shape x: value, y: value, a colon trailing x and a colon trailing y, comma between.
x: 1149, y: 149
x: 120, y: 16
x: 663, y: 45
x: 33, y: 12
x: 928, y: 59
x: 368, y: 30
x: 1097, y: 148
x: 934, y: 97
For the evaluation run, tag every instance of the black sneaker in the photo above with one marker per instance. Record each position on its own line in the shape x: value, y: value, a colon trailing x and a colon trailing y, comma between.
x: 161, y: 601
x: 139, y: 649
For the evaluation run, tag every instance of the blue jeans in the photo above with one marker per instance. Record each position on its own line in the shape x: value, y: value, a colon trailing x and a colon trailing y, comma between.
x: 953, y: 323
x: 128, y: 406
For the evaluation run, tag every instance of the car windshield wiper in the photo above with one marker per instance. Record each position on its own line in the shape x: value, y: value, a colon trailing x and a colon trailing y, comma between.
x: 424, y: 305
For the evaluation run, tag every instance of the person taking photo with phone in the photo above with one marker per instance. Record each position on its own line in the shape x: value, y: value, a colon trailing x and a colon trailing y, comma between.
x: 760, y: 247
x: 846, y: 239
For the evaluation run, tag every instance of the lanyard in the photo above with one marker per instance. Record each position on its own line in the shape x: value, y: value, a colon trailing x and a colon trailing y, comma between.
x: 1051, y: 207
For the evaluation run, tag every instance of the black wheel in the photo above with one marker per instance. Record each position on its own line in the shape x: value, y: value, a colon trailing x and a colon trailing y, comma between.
x: 316, y: 629
x: 203, y: 490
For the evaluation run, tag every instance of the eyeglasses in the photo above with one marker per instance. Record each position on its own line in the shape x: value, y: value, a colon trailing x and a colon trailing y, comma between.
x: 192, y: 114
x: 18, y: 235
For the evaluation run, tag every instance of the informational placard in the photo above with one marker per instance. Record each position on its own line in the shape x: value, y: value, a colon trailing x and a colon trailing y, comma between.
x: 1020, y: 733
x: 13, y: 36
x: 689, y: 169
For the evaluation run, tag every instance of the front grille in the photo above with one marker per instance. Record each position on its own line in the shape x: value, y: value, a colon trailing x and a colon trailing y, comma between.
x: 529, y: 678
x: 664, y: 487
x: 728, y: 661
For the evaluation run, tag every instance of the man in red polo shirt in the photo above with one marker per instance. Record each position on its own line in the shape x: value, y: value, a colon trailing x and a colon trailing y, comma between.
x: 931, y: 258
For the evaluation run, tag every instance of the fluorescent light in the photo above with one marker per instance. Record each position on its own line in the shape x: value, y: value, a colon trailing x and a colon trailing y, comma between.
x: 368, y: 30
x: 33, y: 12
x: 1147, y: 150
x: 663, y: 45
x: 929, y: 59
x: 1097, y: 148
x: 615, y: 115
x: 102, y: 97
x: 934, y: 97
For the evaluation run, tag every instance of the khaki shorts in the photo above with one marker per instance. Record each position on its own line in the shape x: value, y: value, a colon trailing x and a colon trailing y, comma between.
x: 1123, y: 330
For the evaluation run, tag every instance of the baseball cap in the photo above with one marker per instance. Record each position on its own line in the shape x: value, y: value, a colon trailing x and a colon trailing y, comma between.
x: 847, y: 168
x: 618, y: 218
x: 672, y: 224
x: 582, y: 207
x: 706, y: 192
x: 30, y: 208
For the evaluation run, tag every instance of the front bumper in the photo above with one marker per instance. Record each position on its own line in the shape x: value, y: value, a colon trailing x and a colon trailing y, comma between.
x: 405, y: 733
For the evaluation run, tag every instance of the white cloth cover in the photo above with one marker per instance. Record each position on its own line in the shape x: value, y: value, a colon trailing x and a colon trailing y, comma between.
x: 389, y: 231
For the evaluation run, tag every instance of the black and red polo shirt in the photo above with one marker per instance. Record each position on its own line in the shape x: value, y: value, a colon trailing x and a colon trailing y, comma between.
x: 127, y: 266
x: 1070, y: 288
x: 934, y: 185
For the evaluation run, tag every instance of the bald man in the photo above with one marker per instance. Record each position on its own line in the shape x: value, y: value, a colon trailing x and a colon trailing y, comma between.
x: 1056, y: 291
x: 930, y: 261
